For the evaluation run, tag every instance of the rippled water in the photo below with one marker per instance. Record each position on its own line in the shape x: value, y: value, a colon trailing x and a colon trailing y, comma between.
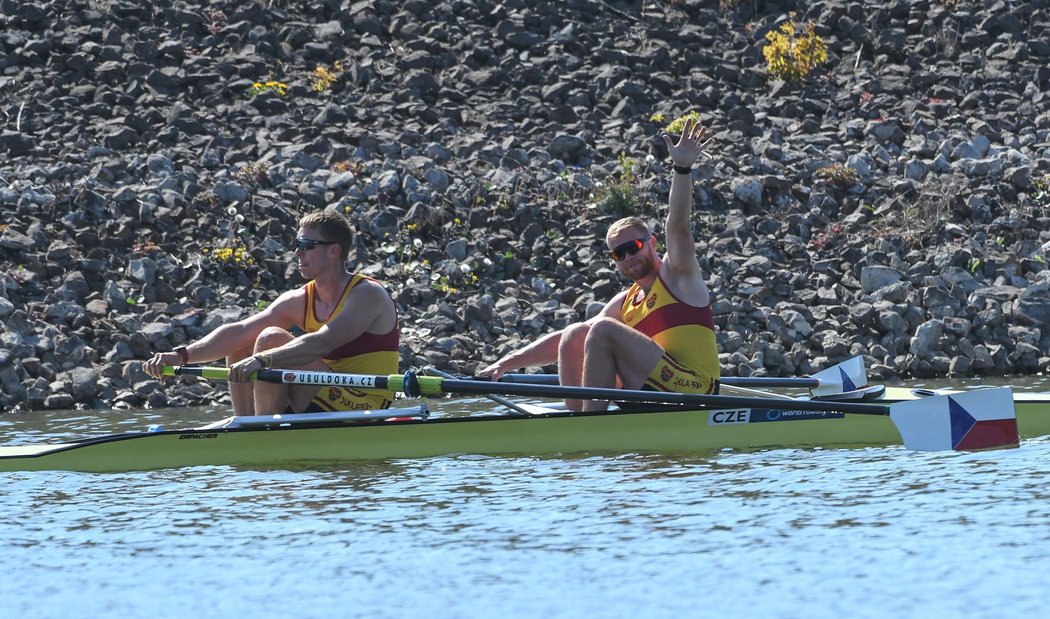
x: 784, y: 533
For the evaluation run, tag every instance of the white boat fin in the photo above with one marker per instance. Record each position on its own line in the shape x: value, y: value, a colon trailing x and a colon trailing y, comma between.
x: 865, y: 394
x: 849, y: 375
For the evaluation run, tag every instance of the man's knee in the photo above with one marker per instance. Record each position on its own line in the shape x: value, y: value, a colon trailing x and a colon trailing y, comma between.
x: 574, y: 336
x: 272, y: 337
x: 603, y: 329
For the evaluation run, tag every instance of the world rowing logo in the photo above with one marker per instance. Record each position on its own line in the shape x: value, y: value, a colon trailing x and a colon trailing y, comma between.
x: 773, y: 414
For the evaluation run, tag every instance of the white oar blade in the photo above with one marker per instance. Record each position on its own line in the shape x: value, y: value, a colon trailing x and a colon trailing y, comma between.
x: 971, y: 420
x: 849, y: 375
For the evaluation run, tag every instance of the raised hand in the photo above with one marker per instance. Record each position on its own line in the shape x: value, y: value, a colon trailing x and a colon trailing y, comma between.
x: 690, y: 145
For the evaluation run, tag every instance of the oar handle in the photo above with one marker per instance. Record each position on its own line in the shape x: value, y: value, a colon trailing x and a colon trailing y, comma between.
x: 393, y: 382
x: 209, y: 372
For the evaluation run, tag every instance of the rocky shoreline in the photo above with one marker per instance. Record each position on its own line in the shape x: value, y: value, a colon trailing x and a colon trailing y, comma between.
x: 892, y: 206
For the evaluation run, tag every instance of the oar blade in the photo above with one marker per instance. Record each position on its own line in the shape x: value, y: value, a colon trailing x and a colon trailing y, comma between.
x: 849, y: 375
x: 970, y: 420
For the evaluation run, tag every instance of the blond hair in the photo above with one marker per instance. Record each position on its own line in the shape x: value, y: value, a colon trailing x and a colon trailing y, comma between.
x: 627, y: 223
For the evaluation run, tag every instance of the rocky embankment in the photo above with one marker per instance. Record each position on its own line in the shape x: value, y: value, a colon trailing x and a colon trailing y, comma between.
x: 892, y: 206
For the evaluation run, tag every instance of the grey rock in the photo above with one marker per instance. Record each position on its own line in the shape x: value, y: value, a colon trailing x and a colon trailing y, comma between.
x: 926, y: 340
x: 493, y: 152
x: 874, y: 278
x: 6, y: 308
x: 748, y: 191
x: 1034, y: 303
x: 457, y: 250
x: 13, y: 239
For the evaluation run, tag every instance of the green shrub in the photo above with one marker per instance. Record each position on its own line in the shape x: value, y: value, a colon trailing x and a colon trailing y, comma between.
x: 837, y: 174
x: 677, y: 125
x: 791, y: 56
x: 620, y: 195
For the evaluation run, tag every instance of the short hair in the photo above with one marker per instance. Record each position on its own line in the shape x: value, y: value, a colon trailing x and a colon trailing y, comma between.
x: 333, y: 226
x: 627, y: 223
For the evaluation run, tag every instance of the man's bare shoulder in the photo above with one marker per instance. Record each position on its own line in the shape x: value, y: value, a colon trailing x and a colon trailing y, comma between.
x: 686, y: 284
x: 295, y: 295
x: 290, y: 305
x: 368, y: 288
x: 370, y: 296
x: 612, y: 308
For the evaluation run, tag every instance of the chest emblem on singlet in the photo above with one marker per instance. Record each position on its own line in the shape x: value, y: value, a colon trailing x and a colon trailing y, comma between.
x: 665, y: 373
x: 650, y: 302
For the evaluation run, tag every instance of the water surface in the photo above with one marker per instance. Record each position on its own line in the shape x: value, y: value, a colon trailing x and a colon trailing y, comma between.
x: 878, y: 532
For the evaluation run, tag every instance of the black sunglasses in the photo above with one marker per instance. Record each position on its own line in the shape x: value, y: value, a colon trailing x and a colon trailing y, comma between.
x: 308, y: 244
x: 629, y: 248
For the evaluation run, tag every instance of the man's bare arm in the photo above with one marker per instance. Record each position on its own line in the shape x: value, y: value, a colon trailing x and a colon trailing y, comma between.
x: 681, y: 248
x: 363, y: 307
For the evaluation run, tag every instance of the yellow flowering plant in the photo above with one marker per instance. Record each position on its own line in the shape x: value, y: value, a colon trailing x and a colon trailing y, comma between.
x: 322, y: 77
x: 792, y: 55
x: 238, y: 254
x: 676, y: 126
x: 273, y: 86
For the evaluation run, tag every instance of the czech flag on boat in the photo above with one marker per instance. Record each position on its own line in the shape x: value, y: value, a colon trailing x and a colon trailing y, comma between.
x: 980, y: 419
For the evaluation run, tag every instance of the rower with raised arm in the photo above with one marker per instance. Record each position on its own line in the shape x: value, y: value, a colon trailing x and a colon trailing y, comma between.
x: 349, y: 321
x: 658, y: 334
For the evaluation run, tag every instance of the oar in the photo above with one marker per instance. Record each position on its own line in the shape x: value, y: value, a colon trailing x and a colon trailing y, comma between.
x: 495, y: 398
x: 981, y: 419
x: 849, y: 375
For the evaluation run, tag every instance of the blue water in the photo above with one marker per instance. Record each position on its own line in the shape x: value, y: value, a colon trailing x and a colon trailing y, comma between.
x: 879, y: 532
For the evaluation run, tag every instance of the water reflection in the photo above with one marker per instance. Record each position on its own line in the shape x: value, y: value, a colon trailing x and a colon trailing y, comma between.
x: 631, y: 535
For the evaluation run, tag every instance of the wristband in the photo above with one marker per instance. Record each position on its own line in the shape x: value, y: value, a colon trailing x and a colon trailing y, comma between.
x: 683, y: 169
x: 185, y: 354
x: 263, y: 359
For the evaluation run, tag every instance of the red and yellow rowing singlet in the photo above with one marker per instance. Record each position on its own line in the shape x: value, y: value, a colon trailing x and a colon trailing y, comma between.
x: 685, y: 332
x: 368, y: 354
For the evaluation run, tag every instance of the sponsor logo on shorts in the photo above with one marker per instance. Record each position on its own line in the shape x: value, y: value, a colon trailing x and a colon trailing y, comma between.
x: 666, y: 374
x: 337, y: 398
x: 687, y: 383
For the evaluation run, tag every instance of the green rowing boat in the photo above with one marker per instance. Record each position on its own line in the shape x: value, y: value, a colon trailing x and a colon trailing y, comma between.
x: 667, y: 428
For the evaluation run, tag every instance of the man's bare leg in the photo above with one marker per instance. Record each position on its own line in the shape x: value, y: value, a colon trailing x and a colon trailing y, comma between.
x: 241, y: 394
x: 273, y: 398
x: 616, y: 351
x: 570, y: 361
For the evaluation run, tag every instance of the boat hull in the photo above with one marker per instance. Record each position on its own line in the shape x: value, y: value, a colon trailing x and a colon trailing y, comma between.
x: 668, y: 432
